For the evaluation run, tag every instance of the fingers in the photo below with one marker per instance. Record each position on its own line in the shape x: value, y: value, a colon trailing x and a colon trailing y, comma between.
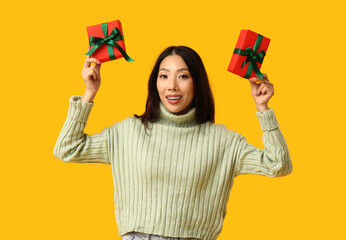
x: 88, y: 74
x: 265, y: 80
x: 97, y: 69
x: 261, y: 86
x: 90, y: 60
x: 87, y: 64
x: 264, y: 89
x: 265, y: 77
x: 92, y: 72
x: 260, y: 90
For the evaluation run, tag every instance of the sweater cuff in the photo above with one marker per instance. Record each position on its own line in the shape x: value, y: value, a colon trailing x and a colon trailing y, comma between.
x: 79, y: 111
x: 267, y: 120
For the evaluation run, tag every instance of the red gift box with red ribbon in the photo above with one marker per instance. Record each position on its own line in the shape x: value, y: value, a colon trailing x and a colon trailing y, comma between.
x: 106, y: 42
x: 248, y: 55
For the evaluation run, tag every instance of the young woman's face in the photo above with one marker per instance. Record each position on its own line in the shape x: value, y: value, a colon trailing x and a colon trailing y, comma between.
x: 175, y: 84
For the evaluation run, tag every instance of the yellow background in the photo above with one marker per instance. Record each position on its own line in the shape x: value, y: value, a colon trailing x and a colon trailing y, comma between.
x: 42, y: 53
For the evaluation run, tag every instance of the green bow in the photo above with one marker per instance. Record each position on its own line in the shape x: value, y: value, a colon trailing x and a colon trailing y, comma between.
x: 252, y: 57
x: 110, y: 41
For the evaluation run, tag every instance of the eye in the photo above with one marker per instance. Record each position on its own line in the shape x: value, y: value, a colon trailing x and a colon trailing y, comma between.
x: 163, y: 76
x: 184, y: 76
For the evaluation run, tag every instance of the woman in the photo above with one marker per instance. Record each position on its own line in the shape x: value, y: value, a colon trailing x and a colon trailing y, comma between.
x: 173, y: 168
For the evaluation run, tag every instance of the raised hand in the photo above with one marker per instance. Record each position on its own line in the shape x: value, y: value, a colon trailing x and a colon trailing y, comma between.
x: 92, y: 78
x: 262, y: 91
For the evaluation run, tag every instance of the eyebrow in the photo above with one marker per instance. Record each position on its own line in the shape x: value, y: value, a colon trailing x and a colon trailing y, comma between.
x: 181, y: 69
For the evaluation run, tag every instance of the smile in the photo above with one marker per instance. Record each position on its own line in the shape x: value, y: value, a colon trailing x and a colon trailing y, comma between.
x: 174, y: 98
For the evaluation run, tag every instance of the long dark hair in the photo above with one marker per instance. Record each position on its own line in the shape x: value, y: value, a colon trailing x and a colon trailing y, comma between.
x: 203, y: 97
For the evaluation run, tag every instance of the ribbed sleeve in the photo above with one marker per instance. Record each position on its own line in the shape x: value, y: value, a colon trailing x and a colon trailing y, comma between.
x: 73, y: 145
x: 274, y: 160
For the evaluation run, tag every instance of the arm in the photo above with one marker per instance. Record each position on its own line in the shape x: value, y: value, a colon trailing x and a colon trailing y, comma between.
x: 274, y: 160
x: 73, y: 145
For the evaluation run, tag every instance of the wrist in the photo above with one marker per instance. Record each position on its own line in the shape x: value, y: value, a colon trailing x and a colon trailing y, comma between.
x: 88, y: 97
x: 262, y: 108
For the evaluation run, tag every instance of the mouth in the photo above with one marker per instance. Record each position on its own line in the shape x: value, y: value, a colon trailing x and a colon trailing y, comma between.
x: 173, y: 99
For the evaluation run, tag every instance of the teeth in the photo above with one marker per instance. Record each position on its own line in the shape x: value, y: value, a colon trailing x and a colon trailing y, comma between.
x: 174, y: 98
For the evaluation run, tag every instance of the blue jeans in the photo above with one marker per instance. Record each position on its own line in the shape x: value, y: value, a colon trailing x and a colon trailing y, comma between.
x: 146, y: 236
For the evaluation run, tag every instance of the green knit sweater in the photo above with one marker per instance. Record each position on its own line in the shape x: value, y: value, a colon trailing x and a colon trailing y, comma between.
x: 175, y: 182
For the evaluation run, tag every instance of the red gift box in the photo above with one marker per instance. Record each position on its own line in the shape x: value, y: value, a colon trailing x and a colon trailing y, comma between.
x: 109, y: 48
x: 249, y: 53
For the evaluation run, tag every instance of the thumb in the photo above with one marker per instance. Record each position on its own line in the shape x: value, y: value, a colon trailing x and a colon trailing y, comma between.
x: 253, y: 83
x: 98, y: 65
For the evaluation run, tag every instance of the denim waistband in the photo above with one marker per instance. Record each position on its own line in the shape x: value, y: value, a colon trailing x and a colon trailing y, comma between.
x: 146, y: 236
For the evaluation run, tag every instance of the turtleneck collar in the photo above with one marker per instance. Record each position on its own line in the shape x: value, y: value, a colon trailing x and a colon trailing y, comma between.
x: 174, y: 120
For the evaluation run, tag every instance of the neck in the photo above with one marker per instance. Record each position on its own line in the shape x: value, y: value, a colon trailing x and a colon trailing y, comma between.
x: 182, y: 120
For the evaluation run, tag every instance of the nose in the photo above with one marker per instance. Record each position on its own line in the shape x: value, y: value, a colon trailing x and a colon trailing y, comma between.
x: 172, y: 85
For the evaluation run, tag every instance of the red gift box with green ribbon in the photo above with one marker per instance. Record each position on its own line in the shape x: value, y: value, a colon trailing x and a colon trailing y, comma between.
x: 248, y: 54
x: 106, y: 42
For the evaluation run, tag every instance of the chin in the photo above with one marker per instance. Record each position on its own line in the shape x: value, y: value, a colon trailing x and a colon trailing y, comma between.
x: 173, y: 109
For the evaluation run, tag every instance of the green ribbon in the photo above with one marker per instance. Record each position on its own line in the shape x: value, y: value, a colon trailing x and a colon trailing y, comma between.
x: 110, y: 41
x: 252, y: 57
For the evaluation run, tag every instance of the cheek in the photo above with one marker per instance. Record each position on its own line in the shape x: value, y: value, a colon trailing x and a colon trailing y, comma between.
x: 160, y: 89
x: 159, y: 86
x: 190, y: 88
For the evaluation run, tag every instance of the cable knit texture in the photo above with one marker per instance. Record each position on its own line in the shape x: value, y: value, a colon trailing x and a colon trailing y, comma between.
x: 176, y: 181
